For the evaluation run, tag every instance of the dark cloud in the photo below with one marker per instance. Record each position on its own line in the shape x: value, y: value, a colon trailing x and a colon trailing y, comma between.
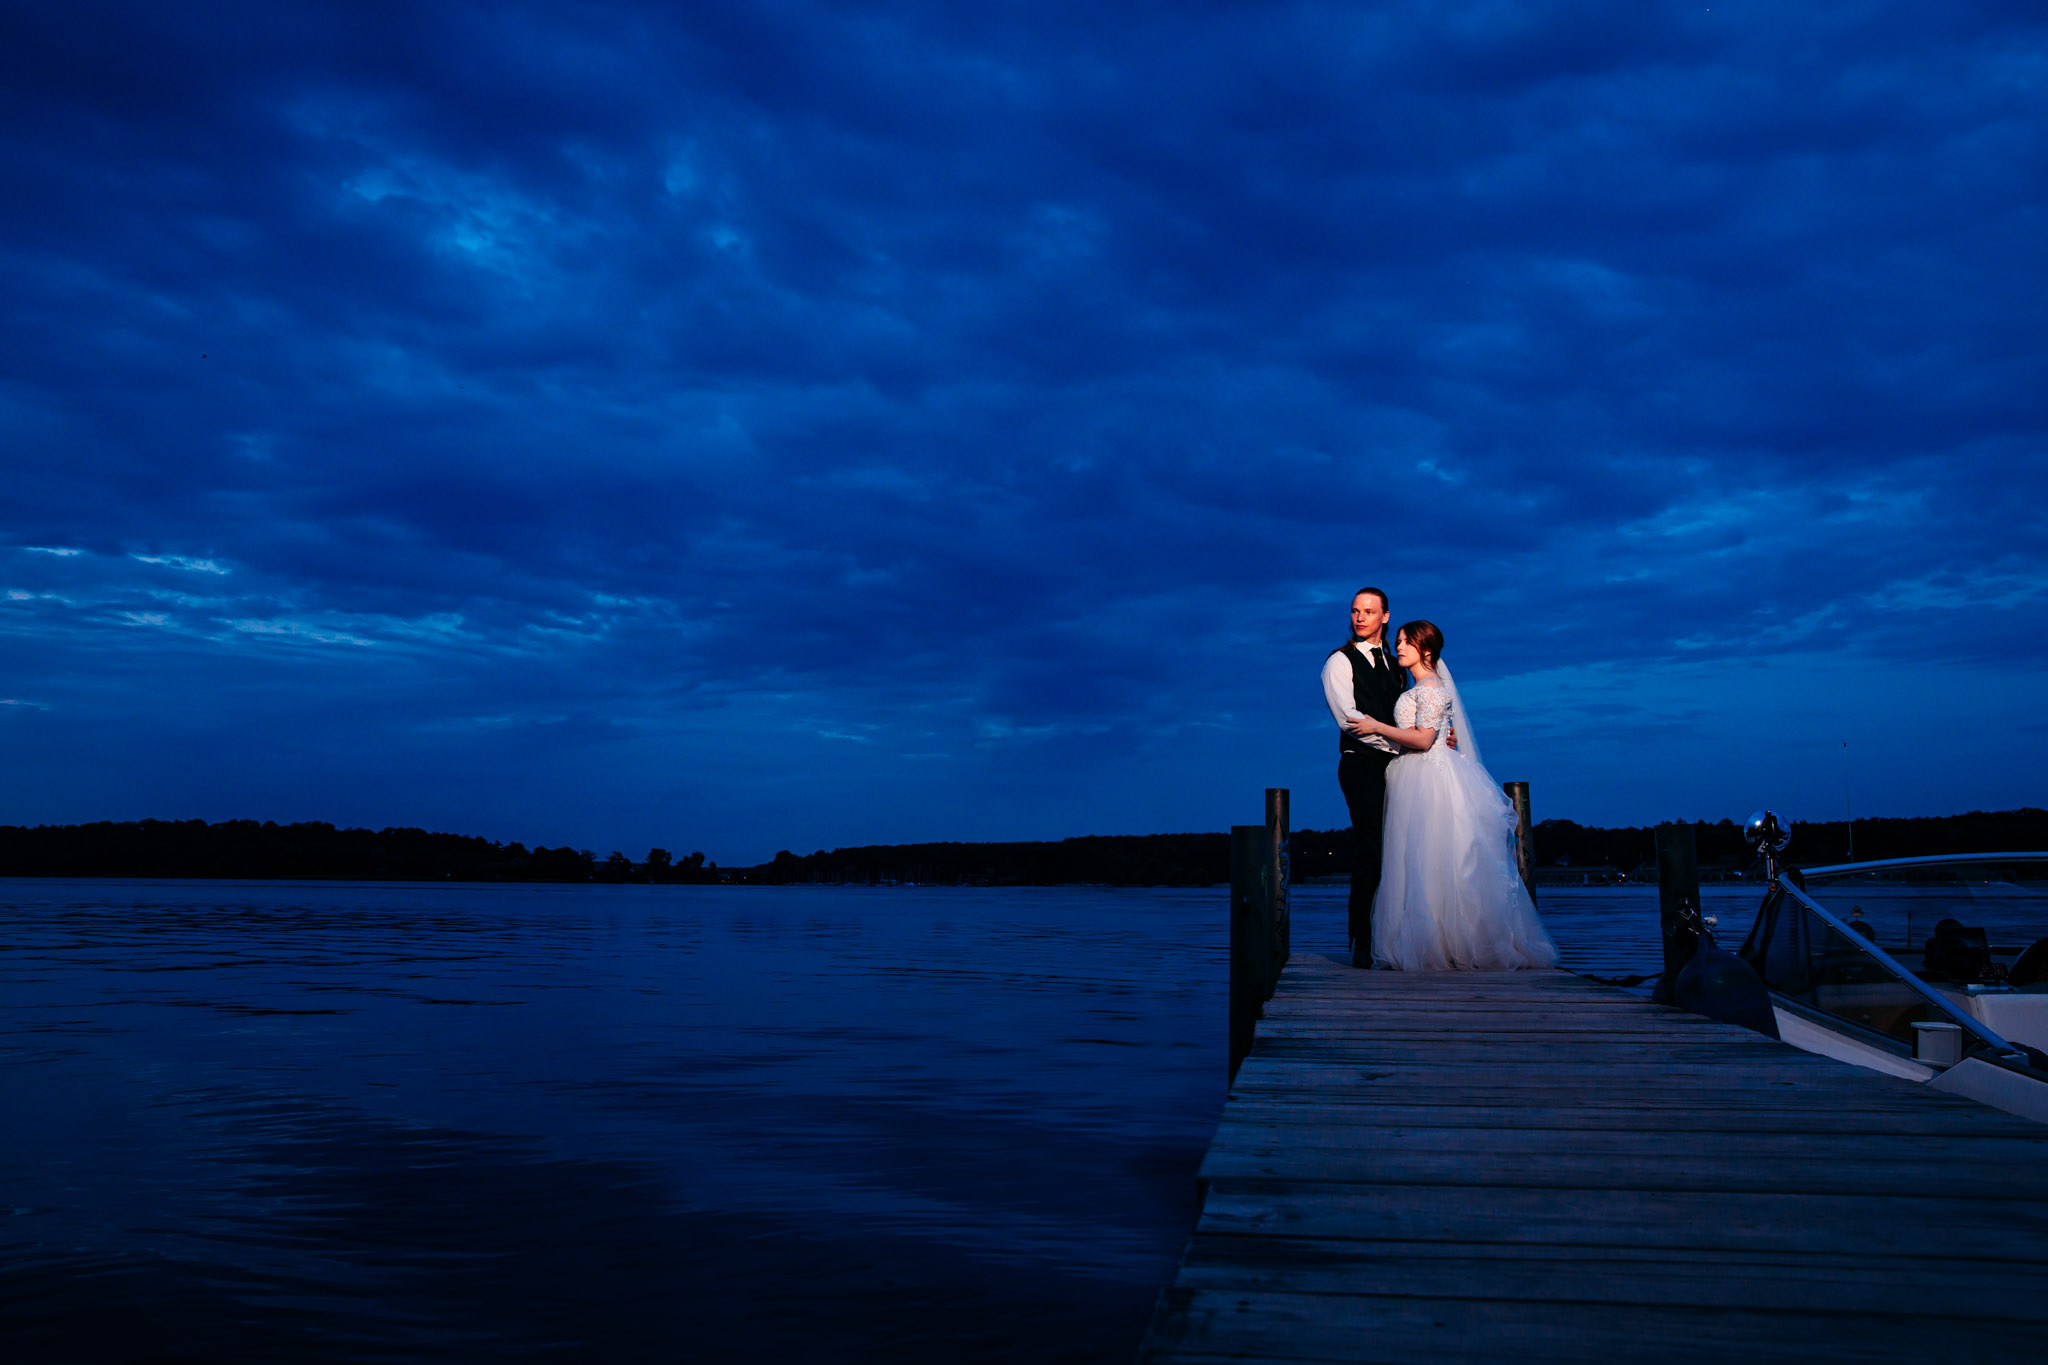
x: 802, y: 424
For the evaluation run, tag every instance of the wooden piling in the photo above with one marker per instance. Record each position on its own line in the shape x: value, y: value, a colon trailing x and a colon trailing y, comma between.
x: 1678, y: 901
x: 1525, y: 834
x: 1276, y: 859
x: 1251, y: 945
x: 1259, y: 920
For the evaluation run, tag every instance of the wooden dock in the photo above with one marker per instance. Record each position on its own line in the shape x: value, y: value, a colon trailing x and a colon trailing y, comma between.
x: 1532, y: 1166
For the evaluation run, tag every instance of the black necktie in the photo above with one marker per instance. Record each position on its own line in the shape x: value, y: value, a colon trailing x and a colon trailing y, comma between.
x: 1379, y: 659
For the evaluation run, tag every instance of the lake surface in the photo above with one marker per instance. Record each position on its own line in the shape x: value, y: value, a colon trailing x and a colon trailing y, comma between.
x: 400, y: 1122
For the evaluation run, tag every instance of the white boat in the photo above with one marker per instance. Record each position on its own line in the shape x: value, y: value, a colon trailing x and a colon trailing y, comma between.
x: 1968, y: 1016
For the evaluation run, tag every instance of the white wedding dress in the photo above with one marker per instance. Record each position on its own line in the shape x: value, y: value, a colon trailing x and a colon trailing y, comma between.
x: 1450, y: 896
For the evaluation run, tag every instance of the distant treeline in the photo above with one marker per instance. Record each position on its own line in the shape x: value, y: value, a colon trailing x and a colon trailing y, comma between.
x: 1204, y: 859
x: 247, y: 848
x: 316, y: 850
x: 1561, y: 843
x: 1098, y: 859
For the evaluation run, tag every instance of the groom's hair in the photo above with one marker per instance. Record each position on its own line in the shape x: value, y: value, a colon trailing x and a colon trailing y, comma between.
x: 1425, y: 637
x: 1375, y: 592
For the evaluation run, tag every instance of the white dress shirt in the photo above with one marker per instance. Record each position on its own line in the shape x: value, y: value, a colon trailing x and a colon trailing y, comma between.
x: 1338, y: 692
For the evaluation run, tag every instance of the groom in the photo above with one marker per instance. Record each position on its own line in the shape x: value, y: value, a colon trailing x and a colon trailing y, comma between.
x: 1359, y: 678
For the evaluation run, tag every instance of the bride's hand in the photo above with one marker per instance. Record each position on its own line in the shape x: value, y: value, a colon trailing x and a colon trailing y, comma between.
x: 1362, y: 726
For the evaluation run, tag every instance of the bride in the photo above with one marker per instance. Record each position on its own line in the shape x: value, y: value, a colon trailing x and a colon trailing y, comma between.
x: 1450, y: 896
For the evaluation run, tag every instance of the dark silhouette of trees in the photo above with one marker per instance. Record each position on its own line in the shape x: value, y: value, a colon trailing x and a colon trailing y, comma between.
x: 562, y: 865
x: 314, y: 849
x: 1204, y: 859
x: 1107, y: 860
x: 1562, y: 843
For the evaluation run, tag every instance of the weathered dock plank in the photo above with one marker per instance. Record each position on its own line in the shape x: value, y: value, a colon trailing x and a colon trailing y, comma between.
x: 1533, y: 1166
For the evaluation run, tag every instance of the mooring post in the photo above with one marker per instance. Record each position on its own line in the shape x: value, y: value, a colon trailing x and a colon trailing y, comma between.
x: 1251, y: 936
x: 1525, y: 835
x: 1678, y: 902
x: 1276, y: 859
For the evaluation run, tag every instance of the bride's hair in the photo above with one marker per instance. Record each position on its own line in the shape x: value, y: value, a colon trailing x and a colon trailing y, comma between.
x: 1427, y: 639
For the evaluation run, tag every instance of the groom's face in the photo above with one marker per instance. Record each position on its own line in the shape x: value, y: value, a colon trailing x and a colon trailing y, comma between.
x: 1368, y: 616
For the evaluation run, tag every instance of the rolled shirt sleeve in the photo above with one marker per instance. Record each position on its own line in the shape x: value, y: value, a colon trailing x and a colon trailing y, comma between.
x: 1337, y: 690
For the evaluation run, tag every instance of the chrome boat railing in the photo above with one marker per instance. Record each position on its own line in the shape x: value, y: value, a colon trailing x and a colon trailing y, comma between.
x: 1925, y: 860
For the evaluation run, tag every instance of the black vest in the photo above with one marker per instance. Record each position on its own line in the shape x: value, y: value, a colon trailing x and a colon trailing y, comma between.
x: 1371, y: 692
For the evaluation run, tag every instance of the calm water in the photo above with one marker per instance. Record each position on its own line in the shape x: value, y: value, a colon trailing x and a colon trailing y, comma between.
x: 340, y: 1122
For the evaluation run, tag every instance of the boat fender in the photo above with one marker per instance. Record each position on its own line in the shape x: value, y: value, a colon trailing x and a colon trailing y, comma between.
x: 1722, y: 986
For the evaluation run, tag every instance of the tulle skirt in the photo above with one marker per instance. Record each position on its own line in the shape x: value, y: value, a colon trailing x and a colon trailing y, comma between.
x: 1450, y: 896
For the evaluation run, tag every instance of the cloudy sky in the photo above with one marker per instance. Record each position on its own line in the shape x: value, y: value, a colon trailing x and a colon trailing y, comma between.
x: 738, y: 426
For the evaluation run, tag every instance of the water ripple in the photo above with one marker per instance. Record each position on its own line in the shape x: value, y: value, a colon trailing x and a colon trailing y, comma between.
x: 413, y: 1122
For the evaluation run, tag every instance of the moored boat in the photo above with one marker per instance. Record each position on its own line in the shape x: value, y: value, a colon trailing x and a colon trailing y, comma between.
x: 1933, y: 969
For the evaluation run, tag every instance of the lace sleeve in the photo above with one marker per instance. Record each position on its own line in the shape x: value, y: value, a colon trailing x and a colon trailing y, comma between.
x: 1432, y: 708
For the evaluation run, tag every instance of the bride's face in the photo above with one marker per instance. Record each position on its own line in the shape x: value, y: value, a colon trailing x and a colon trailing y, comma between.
x: 1405, y: 654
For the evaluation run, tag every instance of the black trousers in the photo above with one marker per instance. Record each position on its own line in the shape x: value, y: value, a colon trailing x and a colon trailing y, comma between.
x: 1362, y: 773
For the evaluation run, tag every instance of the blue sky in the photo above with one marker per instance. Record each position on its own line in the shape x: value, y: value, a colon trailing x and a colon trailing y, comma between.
x: 760, y: 425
